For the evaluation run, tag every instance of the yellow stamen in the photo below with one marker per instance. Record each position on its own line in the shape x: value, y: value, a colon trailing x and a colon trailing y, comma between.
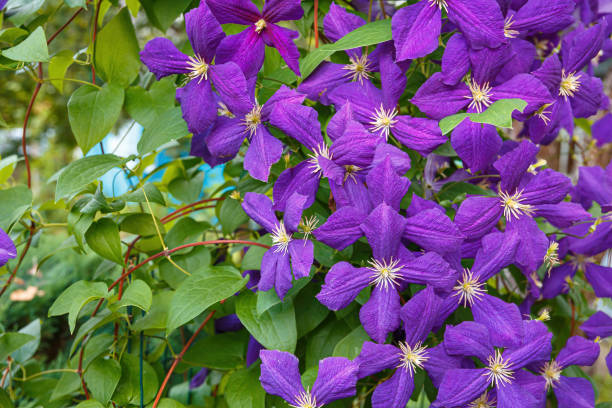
x: 481, y: 95
x: 570, y: 83
x: 260, y: 25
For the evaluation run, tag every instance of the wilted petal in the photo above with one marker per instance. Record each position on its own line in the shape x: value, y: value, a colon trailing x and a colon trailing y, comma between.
x: 574, y: 393
x: 162, y: 58
x: 416, y: 29
x: 342, y: 284
x: 396, y: 391
x: 263, y: 152
x: 476, y: 144
x: 375, y: 358
x: 341, y: 228
x: 503, y: 320
x: 420, y: 134
x: 461, y: 386
x: 282, y: 38
x: 280, y: 374
x: 439, y: 100
x: 380, y: 315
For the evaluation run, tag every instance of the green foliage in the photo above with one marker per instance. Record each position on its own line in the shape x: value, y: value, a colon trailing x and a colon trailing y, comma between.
x: 78, y: 174
x: 15, y: 202
x: 32, y: 49
x: 103, y: 237
x: 73, y: 299
x: 499, y: 114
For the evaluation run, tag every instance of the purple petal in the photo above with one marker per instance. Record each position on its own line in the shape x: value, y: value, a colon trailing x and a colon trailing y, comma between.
x: 526, y: 87
x: 574, y: 393
x: 279, y: 10
x: 487, y: 63
x: 282, y: 38
x: 480, y: 21
x: 438, y: 100
x: 440, y: 362
x: 498, y: 251
x: 263, y: 152
x: 461, y: 386
x: 198, y: 379
x: 563, y: 214
x: 476, y: 144
x: 468, y: 339
x: 162, y: 58
x: 433, y: 231
x: 364, y: 98
x: 299, y: 122
x: 542, y: 16
x: 601, y: 130
x: 226, y: 137
x: 234, y: 11
x: 327, y: 77
x: 400, y: 160
x: 275, y: 272
x: 343, y: 283
x: 547, y: 187
x: 259, y: 208
x: 578, y: 351
x: 533, y: 243
x: 231, y: 86
x: 587, y: 100
x: 383, y: 229
x: 550, y: 73
x: 338, y: 22
x: 299, y: 179
x: 429, y: 269
x: 338, y: 123
x: 280, y: 374
x: 247, y: 49
x: 416, y: 29
x: 253, y: 350
x: 380, y: 315
x: 420, y: 134
x: 7, y: 248
x: 337, y: 379
x: 302, y: 255
x: 478, y: 215
x: 455, y: 61
x: 386, y: 186
x: 204, y: 31
x: 556, y: 282
x: 341, y: 228
x: 600, y: 278
x: 538, y: 349
x: 513, y: 165
x: 513, y: 395
x: 375, y: 358
x: 394, y: 392
x: 355, y: 147
x: 600, y: 324
x: 392, y: 76
x: 584, y: 47
x: 418, y: 204
x: 198, y: 105
x: 425, y: 305
x: 229, y: 323
x: 503, y: 320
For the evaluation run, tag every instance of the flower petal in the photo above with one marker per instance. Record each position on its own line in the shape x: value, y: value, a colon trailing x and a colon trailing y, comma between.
x: 234, y: 11
x: 578, y: 351
x: 468, y: 339
x: 599, y: 324
x: 394, y: 392
x: 420, y: 134
x: 455, y: 61
x: 342, y: 284
x: 279, y: 10
x: 282, y: 38
x: 198, y: 105
x: 438, y: 100
x: 476, y: 144
x: 600, y: 278
x: 263, y: 152
x: 574, y: 393
x: 247, y: 49
x: 162, y: 58
x: 204, y: 31
x: 386, y: 186
x: 336, y: 379
x: 478, y: 215
x: 416, y: 29
x: 375, y: 358
x: 503, y: 320
x: 259, y: 208
x: 425, y: 305
x: 280, y: 374
x: 480, y: 21
x: 341, y: 228
x: 461, y: 386
x: 380, y: 315
x: 302, y: 255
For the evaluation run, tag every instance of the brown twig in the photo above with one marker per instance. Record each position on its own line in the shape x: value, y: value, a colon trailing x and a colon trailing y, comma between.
x: 59, y: 30
x: 26, y: 119
x: 316, y: 22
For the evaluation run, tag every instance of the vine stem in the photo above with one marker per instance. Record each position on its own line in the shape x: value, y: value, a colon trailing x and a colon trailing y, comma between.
x: 178, y: 248
x: 188, y: 206
x: 180, y: 355
x: 316, y: 22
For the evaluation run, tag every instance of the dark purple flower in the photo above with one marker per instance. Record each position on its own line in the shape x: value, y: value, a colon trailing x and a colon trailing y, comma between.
x: 599, y: 326
x: 7, y: 248
x: 286, y: 250
x: 198, y: 102
x: 364, y: 7
x: 280, y: 375
x: 198, y: 379
x: 416, y: 28
x: 594, y: 184
x: 2, y: 4
x: 247, y: 48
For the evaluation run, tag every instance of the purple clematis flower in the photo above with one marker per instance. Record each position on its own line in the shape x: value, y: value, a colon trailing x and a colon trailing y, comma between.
x: 594, y: 184
x: 571, y: 391
x: 502, y: 369
x: 198, y: 379
x: 247, y: 48
x: 7, y: 248
x: 2, y: 4
x: 416, y: 28
x: 275, y: 265
x: 198, y: 101
x: 390, y: 269
x: 599, y: 326
x: 280, y: 375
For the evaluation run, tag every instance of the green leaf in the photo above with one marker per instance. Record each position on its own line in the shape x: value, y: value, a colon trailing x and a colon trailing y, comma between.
x: 76, y: 3
x: 200, y: 291
x: 224, y: 351
x: 140, y: 224
x: 128, y: 391
x: 138, y: 196
x: 15, y: 202
x: 92, y: 113
x: 231, y: 215
x: 144, y: 106
x: 157, y: 316
x: 58, y: 66
x: 103, y: 237
x: 252, y: 259
x: 73, y: 299
x: 169, y: 126
x: 102, y: 378
x: 89, y: 404
x: 80, y: 173
x: 68, y: 383
x: 162, y: 13
x: 168, y: 403
x: 243, y: 389
x: 116, y: 50
x: 350, y: 346
x: 275, y: 329
x: 9, y: 342
x: 499, y: 115
x: 137, y: 294
x: 94, y: 323
x: 5, y: 400
x: 23, y: 10
x: 372, y: 33
x: 26, y: 351
x: 32, y: 49
x: 197, y: 258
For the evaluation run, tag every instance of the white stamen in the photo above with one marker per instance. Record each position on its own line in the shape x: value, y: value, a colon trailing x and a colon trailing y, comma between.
x: 412, y: 358
x: 481, y: 95
x: 358, y: 69
x: 439, y: 3
x: 513, y: 208
x: 385, y: 273
x: 499, y: 371
x: 198, y: 68
x: 543, y: 113
x: 551, y: 371
x: 280, y: 238
x: 320, y: 151
x: 223, y: 110
x: 305, y: 400
x: 570, y: 83
x: 551, y: 258
x: 508, y: 32
x: 260, y: 25
x: 535, y: 166
x: 469, y: 289
x: 383, y: 120
x: 308, y: 225
x: 252, y: 119
x: 483, y: 401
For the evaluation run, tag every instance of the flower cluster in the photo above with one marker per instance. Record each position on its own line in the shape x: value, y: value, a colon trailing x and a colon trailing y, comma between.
x: 419, y: 259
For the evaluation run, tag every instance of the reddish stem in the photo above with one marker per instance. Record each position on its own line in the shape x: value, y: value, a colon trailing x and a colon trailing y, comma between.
x: 207, y: 200
x: 93, y: 40
x: 26, y: 119
x: 316, y: 22
x: 178, y: 248
x: 59, y: 30
x: 188, y: 211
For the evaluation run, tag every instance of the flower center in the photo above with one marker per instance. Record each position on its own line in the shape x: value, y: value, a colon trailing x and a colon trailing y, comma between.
x: 483, y: 402
x: 551, y: 258
x: 320, y: 151
x: 350, y: 171
x: 469, y: 289
x: 439, y: 3
x: 198, y: 68
x: 223, y: 110
x: 499, y: 370
x: 308, y: 225
x: 570, y: 83
x: 481, y: 95
x: 385, y: 273
x: 253, y: 119
x: 305, y: 400
x: 358, y: 69
x: 513, y: 207
x: 280, y: 238
x: 260, y: 25
x: 383, y: 120
x: 508, y: 32
x: 551, y: 371
x: 412, y: 358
